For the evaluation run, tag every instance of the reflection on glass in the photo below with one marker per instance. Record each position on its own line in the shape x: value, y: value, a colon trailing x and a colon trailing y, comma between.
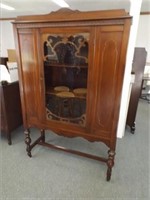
x: 65, y: 70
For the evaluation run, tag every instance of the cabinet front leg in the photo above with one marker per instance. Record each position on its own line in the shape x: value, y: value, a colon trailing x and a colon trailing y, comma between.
x: 110, y: 163
x: 42, y: 135
x: 28, y: 142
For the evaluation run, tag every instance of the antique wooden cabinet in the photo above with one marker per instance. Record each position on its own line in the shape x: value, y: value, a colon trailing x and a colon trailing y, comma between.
x: 71, y: 68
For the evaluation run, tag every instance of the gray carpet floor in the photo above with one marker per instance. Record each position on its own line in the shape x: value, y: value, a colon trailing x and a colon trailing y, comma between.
x: 55, y: 175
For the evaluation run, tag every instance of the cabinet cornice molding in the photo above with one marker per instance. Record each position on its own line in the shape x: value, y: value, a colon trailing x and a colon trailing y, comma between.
x: 64, y: 15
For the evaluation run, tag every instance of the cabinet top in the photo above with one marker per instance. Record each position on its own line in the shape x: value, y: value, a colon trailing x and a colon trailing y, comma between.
x: 65, y: 14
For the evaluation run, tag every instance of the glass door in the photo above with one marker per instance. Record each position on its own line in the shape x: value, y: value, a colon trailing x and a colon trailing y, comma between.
x: 65, y: 58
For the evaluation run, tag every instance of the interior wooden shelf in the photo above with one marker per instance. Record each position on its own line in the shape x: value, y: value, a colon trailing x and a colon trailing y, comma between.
x: 50, y: 64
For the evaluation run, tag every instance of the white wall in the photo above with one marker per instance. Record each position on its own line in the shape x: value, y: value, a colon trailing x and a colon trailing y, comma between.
x: 143, y: 35
x: 6, y: 37
x: 143, y: 39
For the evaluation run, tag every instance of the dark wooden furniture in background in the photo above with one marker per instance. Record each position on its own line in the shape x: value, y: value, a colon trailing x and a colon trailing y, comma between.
x: 11, y: 115
x: 138, y: 67
x: 3, y: 61
x: 145, y: 93
x: 84, y: 50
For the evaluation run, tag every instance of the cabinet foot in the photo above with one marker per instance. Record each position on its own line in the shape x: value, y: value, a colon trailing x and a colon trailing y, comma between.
x: 9, y: 138
x: 28, y: 142
x: 133, y: 128
x: 110, y: 164
x: 9, y: 142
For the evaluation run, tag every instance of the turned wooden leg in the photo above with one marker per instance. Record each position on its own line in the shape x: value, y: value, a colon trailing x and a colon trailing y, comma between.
x: 28, y: 142
x: 42, y: 135
x: 133, y: 128
x: 110, y: 163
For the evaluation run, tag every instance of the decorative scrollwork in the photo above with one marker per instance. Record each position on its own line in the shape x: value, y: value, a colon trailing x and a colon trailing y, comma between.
x: 78, y: 120
x: 66, y: 49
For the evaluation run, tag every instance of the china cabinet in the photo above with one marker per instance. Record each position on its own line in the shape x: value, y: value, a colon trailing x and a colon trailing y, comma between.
x: 71, y: 67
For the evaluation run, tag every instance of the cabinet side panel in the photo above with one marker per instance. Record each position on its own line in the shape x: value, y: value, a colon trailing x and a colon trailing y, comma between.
x: 29, y: 72
x: 107, y: 82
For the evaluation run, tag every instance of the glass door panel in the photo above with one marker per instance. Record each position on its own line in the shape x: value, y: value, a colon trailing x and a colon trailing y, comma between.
x: 66, y: 72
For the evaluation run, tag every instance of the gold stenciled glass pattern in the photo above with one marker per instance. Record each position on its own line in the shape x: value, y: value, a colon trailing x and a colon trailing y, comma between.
x: 65, y: 69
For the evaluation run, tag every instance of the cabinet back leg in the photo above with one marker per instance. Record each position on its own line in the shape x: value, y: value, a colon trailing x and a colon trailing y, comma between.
x: 28, y: 142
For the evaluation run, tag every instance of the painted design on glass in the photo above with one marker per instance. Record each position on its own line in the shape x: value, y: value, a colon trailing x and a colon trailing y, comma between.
x: 65, y: 70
